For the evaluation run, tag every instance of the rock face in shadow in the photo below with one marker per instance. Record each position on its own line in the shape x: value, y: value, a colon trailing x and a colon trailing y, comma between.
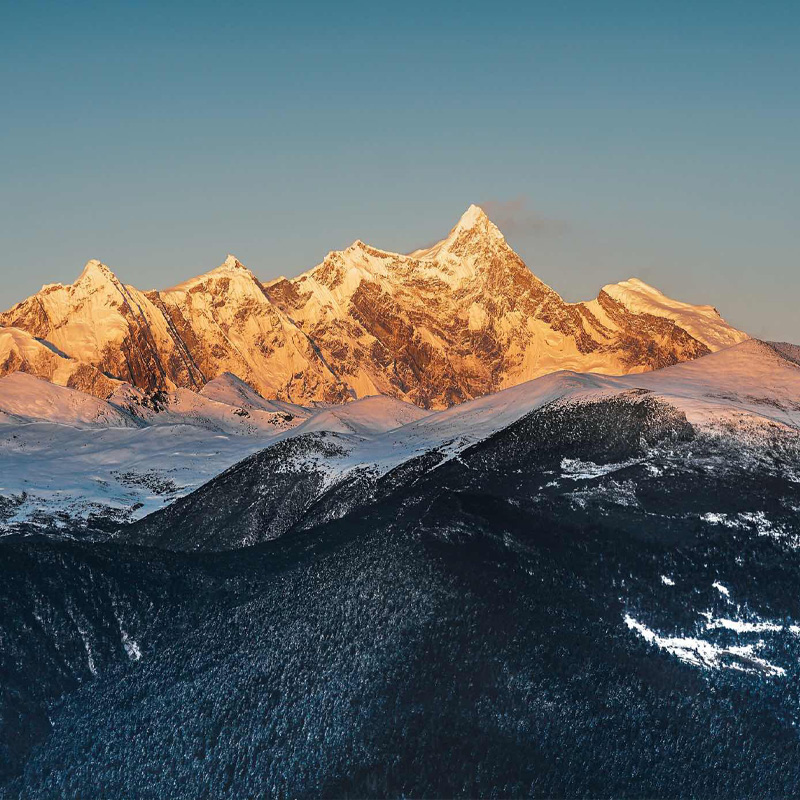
x: 256, y: 500
x: 303, y: 482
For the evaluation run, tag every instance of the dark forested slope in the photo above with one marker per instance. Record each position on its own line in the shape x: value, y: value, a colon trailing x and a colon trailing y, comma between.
x: 557, y: 612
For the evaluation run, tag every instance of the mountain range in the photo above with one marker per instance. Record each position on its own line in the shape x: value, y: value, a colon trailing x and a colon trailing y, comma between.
x: 403, y: 526
x: 582, y: 585
x: 436, y: 327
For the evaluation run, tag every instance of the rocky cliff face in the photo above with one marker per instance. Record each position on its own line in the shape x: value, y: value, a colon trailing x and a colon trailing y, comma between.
x: 182, y: 337
x: 436, y: 327
x: 466, y: 317
x: 113, y: 327
x: 22, y: 352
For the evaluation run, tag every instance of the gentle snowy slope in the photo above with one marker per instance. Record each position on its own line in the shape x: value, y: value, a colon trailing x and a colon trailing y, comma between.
x: 752, y: 377
x: 233, y: 391
x: 27, y: 398
x: 478, y: 419
x: 54, y: 475
x: 182, y: 407
x: 370, y: 415
x: 65, y: 455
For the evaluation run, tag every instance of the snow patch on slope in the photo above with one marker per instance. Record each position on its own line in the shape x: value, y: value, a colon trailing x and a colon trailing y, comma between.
x: 701, y: 653
x: 233, y: 391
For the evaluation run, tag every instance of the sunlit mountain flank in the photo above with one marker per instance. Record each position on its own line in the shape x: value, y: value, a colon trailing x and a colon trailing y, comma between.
x: 396, y: 503
x: 461, y: 319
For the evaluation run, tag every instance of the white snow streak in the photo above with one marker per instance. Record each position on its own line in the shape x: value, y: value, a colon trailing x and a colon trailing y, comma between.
x: 704, y: 654
x: 131, y: 648
x: 586, y: 470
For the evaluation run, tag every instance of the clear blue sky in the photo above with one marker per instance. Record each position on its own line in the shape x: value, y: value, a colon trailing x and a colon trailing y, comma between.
x: 656, y: 139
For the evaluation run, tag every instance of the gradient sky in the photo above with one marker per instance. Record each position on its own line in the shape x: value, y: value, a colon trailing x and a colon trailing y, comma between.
x: 607, y: 139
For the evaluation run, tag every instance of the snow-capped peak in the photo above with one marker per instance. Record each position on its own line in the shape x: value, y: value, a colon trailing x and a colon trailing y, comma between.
x: 636, y: 288
x: 472, y: 217
x: 437, y: 326
x: 95, y: 273
x: 474, y: 228
x: 474, y: 220
x: 232, y: 262
x: 230, y: 267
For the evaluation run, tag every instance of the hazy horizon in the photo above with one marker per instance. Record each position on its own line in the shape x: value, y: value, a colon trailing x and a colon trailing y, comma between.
x: 605, y: 140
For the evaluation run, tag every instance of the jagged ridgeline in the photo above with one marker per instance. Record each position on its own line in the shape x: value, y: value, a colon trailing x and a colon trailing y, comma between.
x: 436, y: 327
